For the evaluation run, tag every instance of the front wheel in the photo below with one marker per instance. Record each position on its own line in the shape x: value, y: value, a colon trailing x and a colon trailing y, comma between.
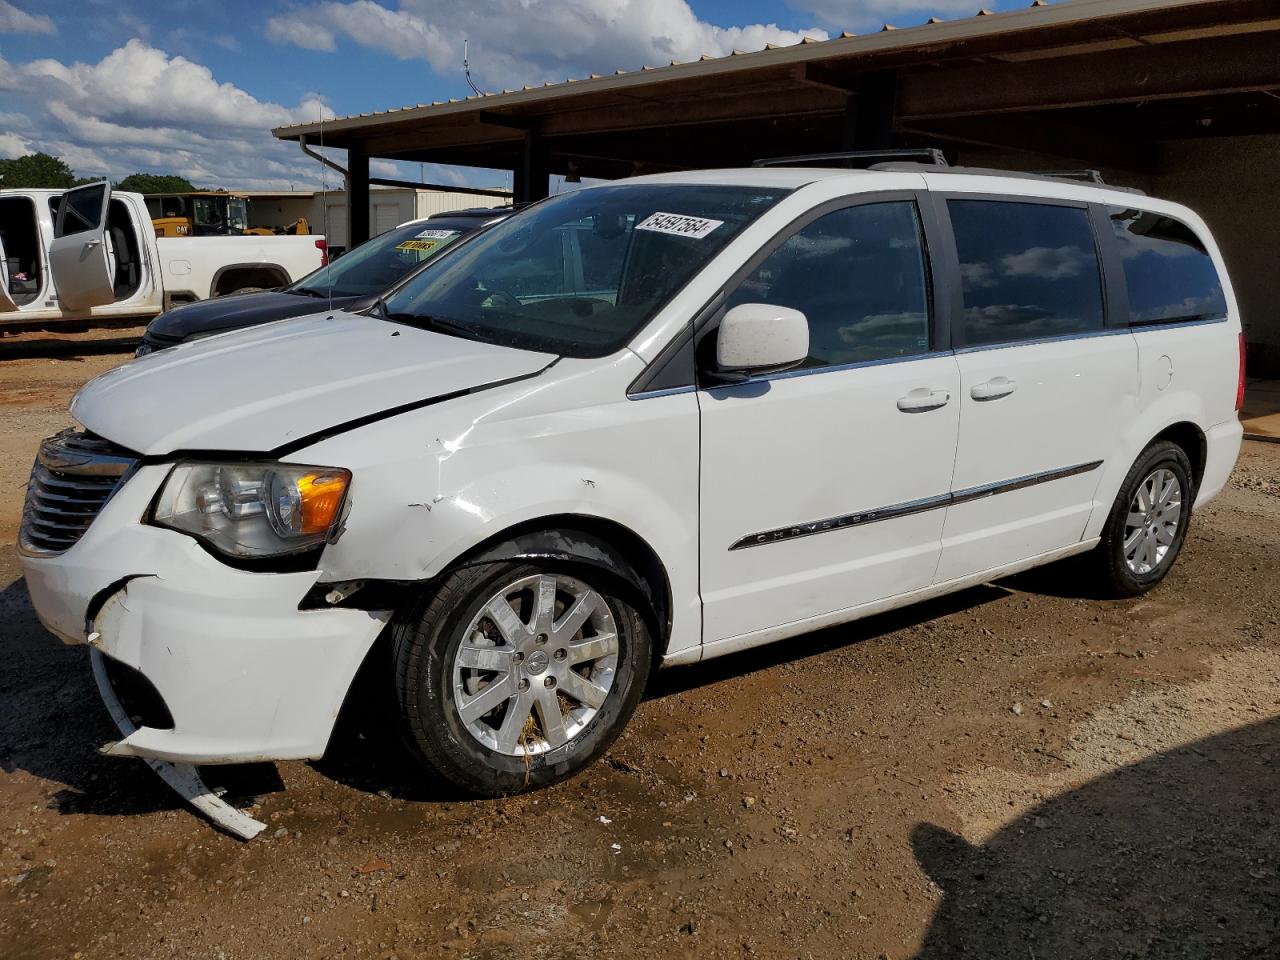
x: 515, y: 675
x: 1148, y: 522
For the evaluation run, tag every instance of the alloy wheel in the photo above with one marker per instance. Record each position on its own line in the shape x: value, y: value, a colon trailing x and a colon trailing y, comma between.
x: 535, y: 665
x: 1151, y: 526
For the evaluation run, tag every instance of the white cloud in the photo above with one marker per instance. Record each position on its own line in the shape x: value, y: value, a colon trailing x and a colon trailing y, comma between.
x: 141, y: 109
x: 515, y: 42
x: 863, y: 15
x: 13, y: 20
x: 13, y: 145
x: 1046, y: 263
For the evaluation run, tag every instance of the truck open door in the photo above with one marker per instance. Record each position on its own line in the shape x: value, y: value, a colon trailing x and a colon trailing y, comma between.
x: 6, y: 298
x: 78, y: 257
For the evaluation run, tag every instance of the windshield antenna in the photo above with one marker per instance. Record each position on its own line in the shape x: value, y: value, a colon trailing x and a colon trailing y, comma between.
x: 466, y: 68
x: 324, y: 207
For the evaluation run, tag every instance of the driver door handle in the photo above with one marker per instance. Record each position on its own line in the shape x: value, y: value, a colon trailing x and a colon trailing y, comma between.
x: 922, y: 398
x: 993, y: 389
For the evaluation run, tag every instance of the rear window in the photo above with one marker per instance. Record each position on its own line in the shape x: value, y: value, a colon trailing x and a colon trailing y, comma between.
x: 1027, y: 270
x: 1167, y: 271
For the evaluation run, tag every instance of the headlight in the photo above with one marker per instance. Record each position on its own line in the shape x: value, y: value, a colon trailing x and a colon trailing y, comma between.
x: 253, y: 509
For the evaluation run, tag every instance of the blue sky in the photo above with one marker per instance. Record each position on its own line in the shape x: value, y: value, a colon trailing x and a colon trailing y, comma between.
x: 117, y: 86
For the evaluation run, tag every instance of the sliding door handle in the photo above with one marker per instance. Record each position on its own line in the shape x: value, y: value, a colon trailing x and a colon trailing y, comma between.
x: 993, y: 389
x: 922, y: 398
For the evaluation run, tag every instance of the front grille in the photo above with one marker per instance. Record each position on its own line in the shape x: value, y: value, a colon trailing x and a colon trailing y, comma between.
x: 74, y: 476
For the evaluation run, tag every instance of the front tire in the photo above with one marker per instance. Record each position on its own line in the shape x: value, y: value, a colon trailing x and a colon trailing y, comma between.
x: 517, y: 675
x: 1147, y: 525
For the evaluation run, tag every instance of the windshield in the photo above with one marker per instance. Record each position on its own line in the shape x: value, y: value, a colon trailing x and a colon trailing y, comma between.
x: 377, y: 264
x: 579, y: 274
x: 237, y: 214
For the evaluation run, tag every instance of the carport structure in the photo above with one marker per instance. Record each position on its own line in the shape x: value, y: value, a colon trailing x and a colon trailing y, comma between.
x: 1177, y: 97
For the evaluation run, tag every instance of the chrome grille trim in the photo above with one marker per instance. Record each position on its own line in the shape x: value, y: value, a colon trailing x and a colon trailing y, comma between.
x: 74, y: 476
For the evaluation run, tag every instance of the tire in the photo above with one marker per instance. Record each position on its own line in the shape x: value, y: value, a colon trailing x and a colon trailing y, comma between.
x: 239, y: 290
x: 444, y: 650
x: 1127, y: 571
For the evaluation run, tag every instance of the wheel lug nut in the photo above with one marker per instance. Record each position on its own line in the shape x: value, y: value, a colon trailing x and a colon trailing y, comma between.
x: 542, y: 638
x: 548, y: 682
x: 561, y: 653
x: 517, y: 657
x: 523, y: 684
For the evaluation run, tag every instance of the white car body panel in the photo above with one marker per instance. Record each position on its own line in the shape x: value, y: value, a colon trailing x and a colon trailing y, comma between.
x: 1069, y: 404
x: 452, y: 443
x: 293, y: 378
x: 807, y: 448
x: 193, y: 265
x: 81, y: 263
x: 564, y: 446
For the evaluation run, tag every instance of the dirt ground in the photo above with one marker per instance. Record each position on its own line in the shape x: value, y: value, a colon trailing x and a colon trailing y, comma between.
x: 1016, y: 771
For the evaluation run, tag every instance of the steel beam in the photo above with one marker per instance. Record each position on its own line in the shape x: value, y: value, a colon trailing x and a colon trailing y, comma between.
x: 1188, y: 68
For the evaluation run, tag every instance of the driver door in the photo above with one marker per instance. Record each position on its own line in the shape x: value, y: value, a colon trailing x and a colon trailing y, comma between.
x: 78, y: 257
x: 6, y: 299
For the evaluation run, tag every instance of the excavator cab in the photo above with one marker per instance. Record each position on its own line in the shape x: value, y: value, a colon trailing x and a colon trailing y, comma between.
x: 202, y: 214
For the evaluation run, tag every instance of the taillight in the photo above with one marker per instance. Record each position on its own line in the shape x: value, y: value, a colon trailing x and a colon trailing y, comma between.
x: 323, y: 246
x: 1240, y: 385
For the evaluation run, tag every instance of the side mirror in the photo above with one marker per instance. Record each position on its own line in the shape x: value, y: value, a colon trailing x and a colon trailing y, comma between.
x: 759, y: 338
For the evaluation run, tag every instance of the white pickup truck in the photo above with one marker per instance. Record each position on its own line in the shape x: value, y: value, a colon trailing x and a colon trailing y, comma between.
x: 86, y: 254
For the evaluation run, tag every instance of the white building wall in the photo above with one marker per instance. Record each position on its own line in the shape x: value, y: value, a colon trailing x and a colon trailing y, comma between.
x: 391, y: 206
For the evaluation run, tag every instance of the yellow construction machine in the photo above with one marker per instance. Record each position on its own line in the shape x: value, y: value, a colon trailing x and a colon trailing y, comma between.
x: 209, y: 213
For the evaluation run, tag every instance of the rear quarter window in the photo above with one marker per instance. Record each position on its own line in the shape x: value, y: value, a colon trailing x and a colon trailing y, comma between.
x: 1168, y: 274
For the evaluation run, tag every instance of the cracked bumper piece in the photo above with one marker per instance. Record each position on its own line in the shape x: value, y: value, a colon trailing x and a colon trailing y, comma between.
x: 183, y: 777
x: 245, y: 675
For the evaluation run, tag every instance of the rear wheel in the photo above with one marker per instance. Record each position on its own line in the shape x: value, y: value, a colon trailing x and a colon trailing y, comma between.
x: 1148, y: 522
x: 516, y: 675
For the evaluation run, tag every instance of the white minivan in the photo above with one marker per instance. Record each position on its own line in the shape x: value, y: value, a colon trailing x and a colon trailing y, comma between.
x: 640, y: 424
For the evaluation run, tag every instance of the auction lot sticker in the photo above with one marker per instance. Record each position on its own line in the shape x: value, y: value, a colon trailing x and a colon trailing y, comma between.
x: 679, y: 225
x: 427, y: 240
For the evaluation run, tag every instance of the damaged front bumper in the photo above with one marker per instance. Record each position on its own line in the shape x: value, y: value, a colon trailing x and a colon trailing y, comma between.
x: 243, y: 673
x: 183, y: 777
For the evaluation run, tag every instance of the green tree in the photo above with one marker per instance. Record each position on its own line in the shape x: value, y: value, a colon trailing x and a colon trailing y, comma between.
x: 36, y: 170
x: 155, y: 183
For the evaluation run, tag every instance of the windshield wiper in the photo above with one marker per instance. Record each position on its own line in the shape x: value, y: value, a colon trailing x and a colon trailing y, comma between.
x: 309, y: 292
x: 426, y: 322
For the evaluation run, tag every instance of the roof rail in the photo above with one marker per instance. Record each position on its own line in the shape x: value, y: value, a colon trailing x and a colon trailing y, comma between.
x: 930, y: 156
x: 1086, y: 176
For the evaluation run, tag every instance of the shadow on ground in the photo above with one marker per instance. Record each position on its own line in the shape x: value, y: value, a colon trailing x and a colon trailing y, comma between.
x: 1175, y: 856
x: 362, y: 757
x: 53, y: 722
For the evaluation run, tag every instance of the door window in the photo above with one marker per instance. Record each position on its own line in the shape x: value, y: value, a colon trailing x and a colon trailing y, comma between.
x: 84, y: 209
x: 859, y: 276
x: 1167, y: 271
x: 1027, y: 270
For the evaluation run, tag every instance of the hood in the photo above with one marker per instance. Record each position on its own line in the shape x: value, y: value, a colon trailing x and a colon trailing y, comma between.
x: 256, y: 390
x: 221, y: 314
